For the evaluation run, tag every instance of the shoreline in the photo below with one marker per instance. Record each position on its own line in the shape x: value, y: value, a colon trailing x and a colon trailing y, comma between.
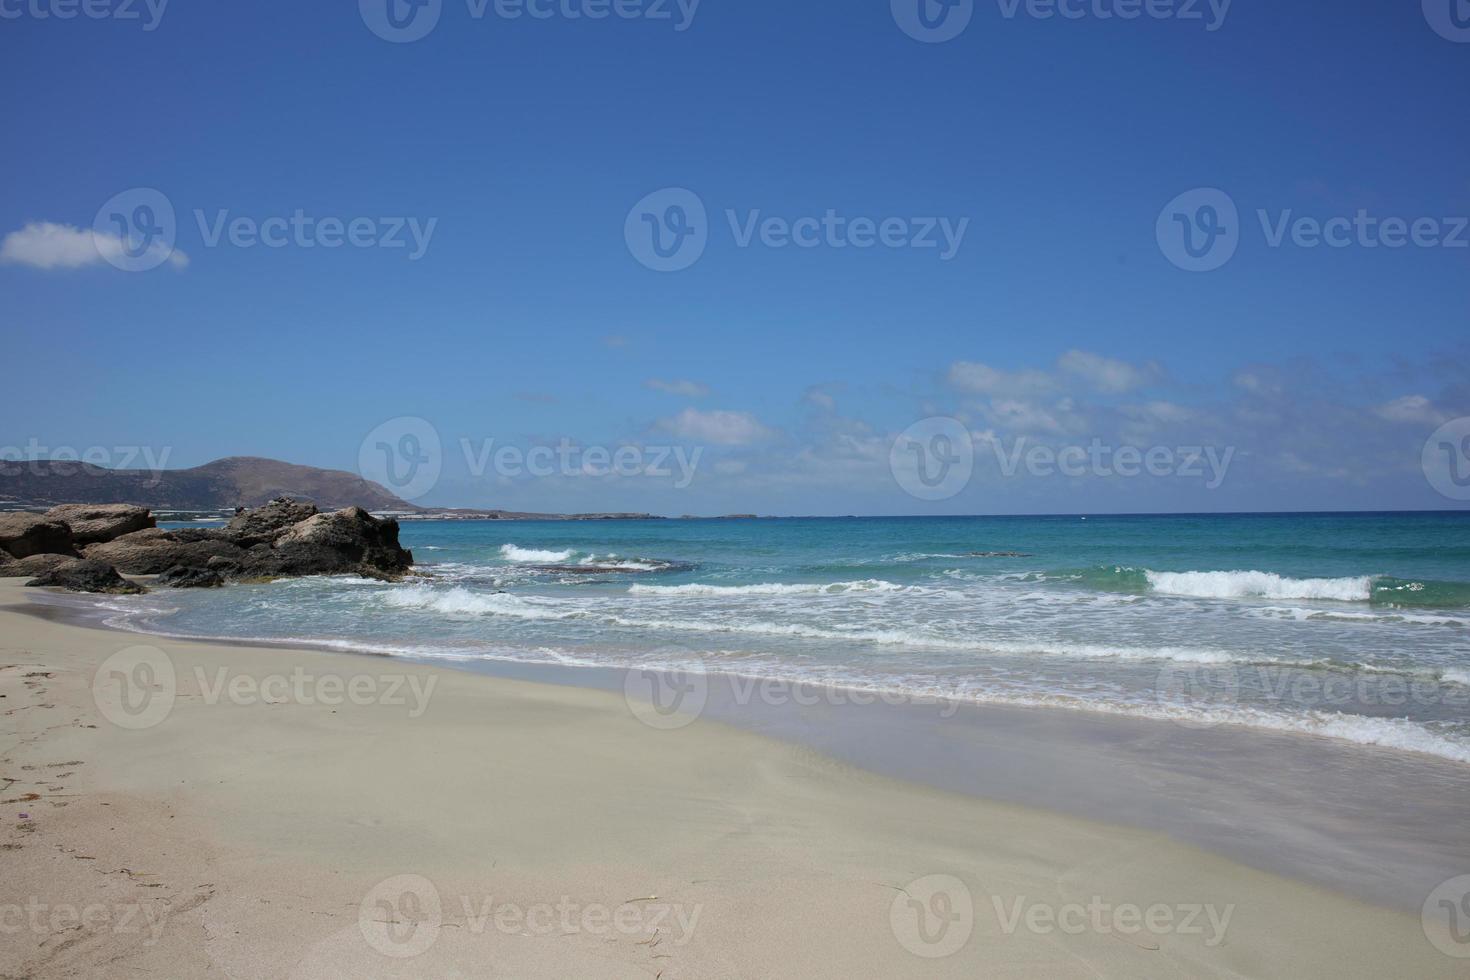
x: 1322, y: 811
x: 259, y: 816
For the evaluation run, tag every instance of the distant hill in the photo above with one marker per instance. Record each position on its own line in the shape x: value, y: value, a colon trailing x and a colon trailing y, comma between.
x: 238, y: 481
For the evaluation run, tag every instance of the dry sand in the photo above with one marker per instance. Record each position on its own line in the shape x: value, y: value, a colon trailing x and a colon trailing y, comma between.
x: 510, y: 829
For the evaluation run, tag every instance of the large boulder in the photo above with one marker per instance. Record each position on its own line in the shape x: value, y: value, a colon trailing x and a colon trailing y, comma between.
x: 155, y: 550
x: 33, y: 565
x: 23, y: 535
x: 264, y: 525
x: 95, y: 523
x: 349, y: 541
x: 83, y: 575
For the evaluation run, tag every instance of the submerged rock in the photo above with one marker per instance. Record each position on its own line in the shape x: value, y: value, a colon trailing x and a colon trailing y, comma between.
x: 85, y: 575
x: 180, y: 577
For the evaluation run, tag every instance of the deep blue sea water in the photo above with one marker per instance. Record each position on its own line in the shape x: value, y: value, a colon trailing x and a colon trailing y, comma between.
x: 1354, y: 627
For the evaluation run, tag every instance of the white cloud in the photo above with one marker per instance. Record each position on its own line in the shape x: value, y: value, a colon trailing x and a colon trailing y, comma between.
x: 1105, y: 374
x: 718, y: 427
x: 1410, y: 408
x: 982, y: 379
x: 684, y: 389
x: 47, y: 245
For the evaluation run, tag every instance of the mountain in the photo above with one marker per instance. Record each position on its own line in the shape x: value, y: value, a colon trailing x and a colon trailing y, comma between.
x: 238, y: 481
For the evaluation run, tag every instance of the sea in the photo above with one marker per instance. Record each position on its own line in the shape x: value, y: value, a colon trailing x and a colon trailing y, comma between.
x: 1353, y: 627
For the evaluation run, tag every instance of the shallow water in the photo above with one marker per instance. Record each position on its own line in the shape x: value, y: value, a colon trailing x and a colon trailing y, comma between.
x: 1354, y: 627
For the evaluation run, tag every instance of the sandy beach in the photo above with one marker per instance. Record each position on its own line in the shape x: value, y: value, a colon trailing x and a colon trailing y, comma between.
x: 306, y: 814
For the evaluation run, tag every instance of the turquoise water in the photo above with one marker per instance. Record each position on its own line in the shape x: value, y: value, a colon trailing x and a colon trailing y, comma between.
x: 1355, y: 627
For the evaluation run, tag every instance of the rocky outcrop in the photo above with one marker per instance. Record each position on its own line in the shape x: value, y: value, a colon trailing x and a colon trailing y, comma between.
x: 180, y: 577
x: 344, y: 541
x: 264, y: 525
x: 96, y: 523
x: 282, y: 539
x: 155, y: 550
x: 33, y: 566
x: 23, y: 535
x: 83, y: 575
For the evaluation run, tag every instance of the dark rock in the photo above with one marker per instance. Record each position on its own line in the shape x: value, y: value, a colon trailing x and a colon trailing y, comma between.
x: 83, y: 575
x: 33, y: 565
x: 227, y: 567
x: 180, y: 577
x: 95, y: 523
x: 23, y: 535
x: 282, y: 539
x: 155, y: 550
x: 268, y: 523
x: 349, y: 541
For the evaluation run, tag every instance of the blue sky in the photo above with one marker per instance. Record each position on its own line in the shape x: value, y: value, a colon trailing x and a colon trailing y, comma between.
x: 1058, y: 321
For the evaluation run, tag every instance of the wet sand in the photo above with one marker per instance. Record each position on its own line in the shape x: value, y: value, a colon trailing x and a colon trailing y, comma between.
x: 265, y: 826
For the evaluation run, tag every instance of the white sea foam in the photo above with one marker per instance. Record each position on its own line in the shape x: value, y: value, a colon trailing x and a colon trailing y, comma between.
x: 512, y: 553
x: 769, y: 588
x: 1266, y: 585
